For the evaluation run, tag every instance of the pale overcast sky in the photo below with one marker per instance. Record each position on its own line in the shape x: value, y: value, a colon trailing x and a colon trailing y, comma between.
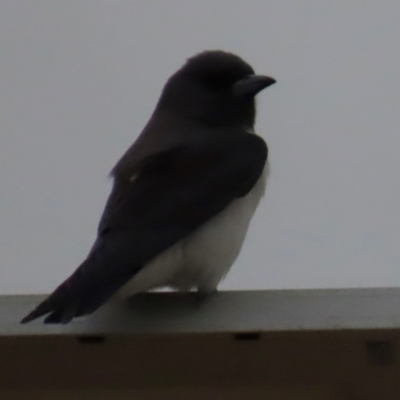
x: 79, y: 79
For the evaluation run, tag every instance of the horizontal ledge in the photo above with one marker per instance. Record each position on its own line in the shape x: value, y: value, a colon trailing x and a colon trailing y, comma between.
x: 224, y: 312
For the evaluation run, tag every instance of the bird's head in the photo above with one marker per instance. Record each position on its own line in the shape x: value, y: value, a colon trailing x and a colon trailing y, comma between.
x: 215, y: 88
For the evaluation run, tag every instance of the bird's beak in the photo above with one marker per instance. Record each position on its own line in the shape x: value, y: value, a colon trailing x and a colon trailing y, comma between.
x: 252, y: 84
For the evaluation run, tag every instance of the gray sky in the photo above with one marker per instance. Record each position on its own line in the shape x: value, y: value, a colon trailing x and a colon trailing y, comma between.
x: 78, y: 81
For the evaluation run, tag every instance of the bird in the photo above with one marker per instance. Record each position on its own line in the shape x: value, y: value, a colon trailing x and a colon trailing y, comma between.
x: 183, y: 194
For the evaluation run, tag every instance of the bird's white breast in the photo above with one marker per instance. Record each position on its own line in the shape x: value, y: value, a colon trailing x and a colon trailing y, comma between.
x: 202, y: 259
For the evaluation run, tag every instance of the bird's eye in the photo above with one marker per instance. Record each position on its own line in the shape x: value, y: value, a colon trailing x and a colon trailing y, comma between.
x: 221, y: 80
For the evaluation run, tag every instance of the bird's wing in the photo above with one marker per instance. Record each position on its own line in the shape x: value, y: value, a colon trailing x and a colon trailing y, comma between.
x: 174, y: 193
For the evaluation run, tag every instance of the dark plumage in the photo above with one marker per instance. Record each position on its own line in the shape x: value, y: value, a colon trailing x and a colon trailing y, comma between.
x: 195, y: 156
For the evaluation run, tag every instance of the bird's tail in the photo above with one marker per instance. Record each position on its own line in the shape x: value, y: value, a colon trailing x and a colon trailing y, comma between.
x: 79, y: 295
x: 61, y: 306
x: 58, y: 315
